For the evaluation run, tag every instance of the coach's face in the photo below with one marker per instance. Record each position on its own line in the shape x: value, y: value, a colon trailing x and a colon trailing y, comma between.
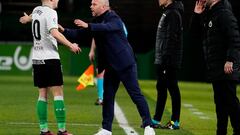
x: 97, y: 7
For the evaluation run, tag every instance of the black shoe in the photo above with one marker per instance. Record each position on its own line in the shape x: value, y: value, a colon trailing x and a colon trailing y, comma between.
x: 46, y: 133
x: 157, y: 125
x: 63, y: 133
x: 99, y: 102
x: 172, y: 125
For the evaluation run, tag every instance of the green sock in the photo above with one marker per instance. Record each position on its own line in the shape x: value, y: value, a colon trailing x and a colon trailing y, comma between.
x: 42, y: 115
x: 60, y: 113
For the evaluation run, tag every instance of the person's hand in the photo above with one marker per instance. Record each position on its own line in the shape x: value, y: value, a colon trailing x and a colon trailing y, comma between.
x: 228, y: 67
x: 60, y: 28
x: 25, y: 19
x: 74, y: 48
x: 91, y: 56
x: 199, y: 6
x: 80, y: 23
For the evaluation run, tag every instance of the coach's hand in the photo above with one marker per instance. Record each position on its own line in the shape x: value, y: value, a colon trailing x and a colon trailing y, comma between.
x: 80, y: 23
x: 228, y: 67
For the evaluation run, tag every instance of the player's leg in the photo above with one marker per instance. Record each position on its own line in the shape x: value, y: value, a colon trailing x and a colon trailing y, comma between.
x: 42, y: 110
x: 55, y: 83
x: 39, y: 78
x: 100, y: 89
x: 59, y: 109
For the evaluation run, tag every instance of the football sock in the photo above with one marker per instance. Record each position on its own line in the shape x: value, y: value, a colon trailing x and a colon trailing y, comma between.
x: 42, y: 114
x: 155, y: 122
x: 60, y: 113
x: 100, y: 88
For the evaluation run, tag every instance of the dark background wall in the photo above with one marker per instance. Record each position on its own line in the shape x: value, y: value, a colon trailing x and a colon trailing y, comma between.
x: 140, y: 16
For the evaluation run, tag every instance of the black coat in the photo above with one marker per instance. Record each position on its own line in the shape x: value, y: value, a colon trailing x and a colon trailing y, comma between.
x: 221, y: 40
x: 168, y: 52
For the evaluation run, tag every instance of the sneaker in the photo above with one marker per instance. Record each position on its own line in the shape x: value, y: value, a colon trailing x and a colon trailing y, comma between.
x: 172, y: 125
x: 99, y: 102
x: 149, y: 131
x: 156, y: 124
x: 103, y: 132
x: 46, y: 133
x: 63, y: 133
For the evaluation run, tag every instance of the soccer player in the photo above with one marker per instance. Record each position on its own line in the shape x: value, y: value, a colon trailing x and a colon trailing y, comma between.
x: 47, y: 70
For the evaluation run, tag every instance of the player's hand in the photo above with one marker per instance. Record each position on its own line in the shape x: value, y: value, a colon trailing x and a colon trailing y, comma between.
x: 199, y: 6
x: 25, y: 19
x: 74, y: 48
x: 80, y: 23
x: 228, y: 67
x: 91, y: 56
x: 60, y: 28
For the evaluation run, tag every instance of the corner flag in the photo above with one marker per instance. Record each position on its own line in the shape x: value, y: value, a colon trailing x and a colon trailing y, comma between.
x: 86, y: 78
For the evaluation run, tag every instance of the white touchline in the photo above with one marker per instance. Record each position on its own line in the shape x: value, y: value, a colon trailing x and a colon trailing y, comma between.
x: 196, y: 111
x: 123, y: 123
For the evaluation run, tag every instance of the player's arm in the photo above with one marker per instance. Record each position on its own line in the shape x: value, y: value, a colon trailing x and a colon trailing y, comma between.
x: 25, y: 18
x: 60, y: 38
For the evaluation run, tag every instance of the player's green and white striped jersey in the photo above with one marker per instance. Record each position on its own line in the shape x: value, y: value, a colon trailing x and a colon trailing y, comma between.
x: 45, y: 45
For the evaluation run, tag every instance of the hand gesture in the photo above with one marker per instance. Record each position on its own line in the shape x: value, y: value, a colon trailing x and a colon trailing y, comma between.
x: 199, y: 6
x: 228, y: 67
x: 25, y: 19
x: 80, y: 23
x: 74, y: 48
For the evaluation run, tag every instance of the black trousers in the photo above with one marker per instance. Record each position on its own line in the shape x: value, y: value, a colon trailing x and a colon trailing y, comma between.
x: 167, y: 80
x: 227, y: 105
x: 112, y: 80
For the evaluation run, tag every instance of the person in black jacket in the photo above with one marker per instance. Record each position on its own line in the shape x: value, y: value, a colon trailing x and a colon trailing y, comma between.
x: 168, y: 57
x: 221, y: 44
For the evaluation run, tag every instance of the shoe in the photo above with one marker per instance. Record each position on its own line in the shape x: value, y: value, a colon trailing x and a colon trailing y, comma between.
x: 172, y: 125
x: 63, y: 133
x: 99, y: 102
x: 149, y: 131
x: 46, y: 133
x: 156, y: 124
x: 103, y: 132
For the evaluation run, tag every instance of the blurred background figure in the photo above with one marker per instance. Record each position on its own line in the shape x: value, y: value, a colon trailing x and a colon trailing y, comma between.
x: 216, y: 24
x: 168, y: 59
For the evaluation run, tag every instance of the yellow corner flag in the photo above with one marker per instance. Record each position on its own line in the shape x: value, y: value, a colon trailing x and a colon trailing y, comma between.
x: 86, y: 78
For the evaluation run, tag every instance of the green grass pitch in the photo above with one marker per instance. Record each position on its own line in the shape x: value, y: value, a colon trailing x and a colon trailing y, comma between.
x: 18, y: 98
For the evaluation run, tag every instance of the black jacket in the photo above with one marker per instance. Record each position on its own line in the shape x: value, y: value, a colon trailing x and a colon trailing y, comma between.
x: 221, y: 40
x: 168, y: 51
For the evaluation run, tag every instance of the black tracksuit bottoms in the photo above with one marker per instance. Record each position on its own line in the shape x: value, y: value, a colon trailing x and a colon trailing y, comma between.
x: 227, y: 105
